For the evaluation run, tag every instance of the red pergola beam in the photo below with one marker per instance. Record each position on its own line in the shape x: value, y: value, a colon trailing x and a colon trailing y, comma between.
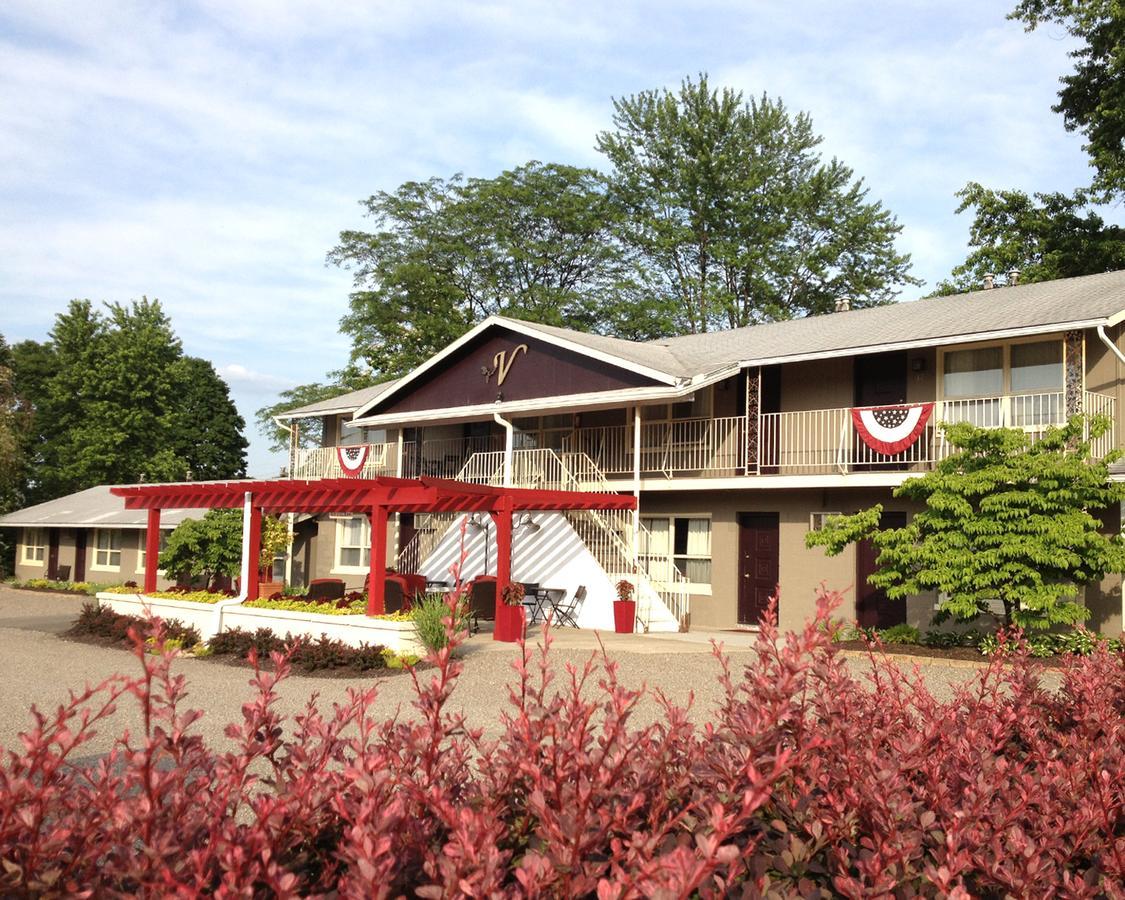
x: 373, y: 497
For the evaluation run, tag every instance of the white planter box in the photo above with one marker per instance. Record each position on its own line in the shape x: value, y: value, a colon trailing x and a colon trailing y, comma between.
x: 402, y: 637
x: 209, y: 619
x: 201, y: 615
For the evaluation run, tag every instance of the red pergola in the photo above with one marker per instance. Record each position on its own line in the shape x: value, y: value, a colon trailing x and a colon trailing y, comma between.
x: 376, y: 498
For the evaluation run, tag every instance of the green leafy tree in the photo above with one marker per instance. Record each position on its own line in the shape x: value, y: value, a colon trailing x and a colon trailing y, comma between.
x: 1003, y: 518
x: 294, y: 398
x: 537, y: 242
x: 1044, y: 236
x: 206, y: 429
x: 206, y: 548
x: 14, y: 422
x: 113, y: 399
x: 1092, y: 99
x: 737, y: 217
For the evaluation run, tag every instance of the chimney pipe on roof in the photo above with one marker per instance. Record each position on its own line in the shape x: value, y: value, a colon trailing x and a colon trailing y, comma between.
x: 988, y: 281
x: 1013, y: 277
x: 843, y: 304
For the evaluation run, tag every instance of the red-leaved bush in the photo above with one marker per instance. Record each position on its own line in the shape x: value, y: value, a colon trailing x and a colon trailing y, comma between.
x: 810, y: 781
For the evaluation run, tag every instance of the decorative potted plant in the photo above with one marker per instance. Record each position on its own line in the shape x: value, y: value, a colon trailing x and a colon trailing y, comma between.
x: 274, y: 540
x: 624, y: 608
x: 511, y: 618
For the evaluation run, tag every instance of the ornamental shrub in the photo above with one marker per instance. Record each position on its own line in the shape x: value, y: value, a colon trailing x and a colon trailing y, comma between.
x: 810, y: 781
x: 900, y: 634
x: 97, y: 621
x: 432, y: 615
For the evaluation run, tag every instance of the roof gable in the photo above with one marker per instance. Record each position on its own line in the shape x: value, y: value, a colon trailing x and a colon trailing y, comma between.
x: 504, y: 360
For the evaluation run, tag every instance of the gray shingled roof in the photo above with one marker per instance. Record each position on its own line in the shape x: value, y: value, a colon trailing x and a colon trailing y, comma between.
x: 932, y: 320
x: 94, y: 506
x: 343, y: 403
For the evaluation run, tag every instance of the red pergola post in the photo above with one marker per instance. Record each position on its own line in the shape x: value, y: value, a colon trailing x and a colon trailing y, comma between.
x: 152, y: 549
x: 377, y: 574
x: 253, y: 570
x: 502, y: 517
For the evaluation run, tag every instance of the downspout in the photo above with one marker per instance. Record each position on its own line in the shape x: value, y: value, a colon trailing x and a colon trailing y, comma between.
x: 1120, y: 358
x: 244, y: 579
x: 291, y: 518
x: 509, y: 440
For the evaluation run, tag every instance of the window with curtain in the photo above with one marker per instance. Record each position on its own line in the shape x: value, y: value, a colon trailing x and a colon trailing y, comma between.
x: 974, y: 373
x: 34, y: 545
x: 684, y: 542
x: 142, y: 550
x: 692, y: 549
x: 1037, y: 367
x: 107, y: 549
x: 353, y: 543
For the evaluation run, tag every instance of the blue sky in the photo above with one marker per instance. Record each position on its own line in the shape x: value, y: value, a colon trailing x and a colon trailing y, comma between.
x: 209, y: 153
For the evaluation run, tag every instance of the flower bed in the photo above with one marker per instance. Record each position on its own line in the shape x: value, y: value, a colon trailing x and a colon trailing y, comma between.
x: 354, y: 604
x: 50, y: 586
x: 173, y: 593
x: 393, y: 632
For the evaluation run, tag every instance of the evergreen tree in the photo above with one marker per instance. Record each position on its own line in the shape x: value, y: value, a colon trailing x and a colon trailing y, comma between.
x: 1004, y: 519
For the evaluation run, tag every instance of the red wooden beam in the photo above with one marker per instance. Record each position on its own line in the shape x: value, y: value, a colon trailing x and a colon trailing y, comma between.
x: 152, y: 549
x: 377, y: 566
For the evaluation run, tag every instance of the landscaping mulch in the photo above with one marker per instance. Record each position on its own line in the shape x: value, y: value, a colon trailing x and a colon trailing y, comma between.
x: 955, y: 654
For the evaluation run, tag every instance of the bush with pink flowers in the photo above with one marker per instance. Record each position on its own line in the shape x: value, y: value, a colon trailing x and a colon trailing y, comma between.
x: 809, y: 781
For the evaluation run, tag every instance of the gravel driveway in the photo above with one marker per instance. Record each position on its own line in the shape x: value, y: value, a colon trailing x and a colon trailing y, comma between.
x: 38, y: 667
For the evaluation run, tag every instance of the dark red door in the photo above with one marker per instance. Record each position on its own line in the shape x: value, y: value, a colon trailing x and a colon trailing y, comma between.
x: 53, y: 554
x: 880, y: 380
x: 406, y: 531
x: 79, y: 554
x: 873, y: 609
x: 758, y: 544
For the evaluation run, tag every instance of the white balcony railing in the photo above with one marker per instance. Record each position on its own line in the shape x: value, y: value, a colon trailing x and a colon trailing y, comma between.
x: 324, y: 462
x: 800, y: 442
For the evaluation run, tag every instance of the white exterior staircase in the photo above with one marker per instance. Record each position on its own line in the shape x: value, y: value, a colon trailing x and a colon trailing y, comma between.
x: 606, y: 534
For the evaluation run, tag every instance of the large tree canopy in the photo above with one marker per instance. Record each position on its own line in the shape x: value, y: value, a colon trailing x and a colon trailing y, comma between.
x: 737, y: 217
x: 1003, y: 519
x: 537, y: 242
x: 1092, y: 99
x: 1044, y: 236
x: 114, y: 400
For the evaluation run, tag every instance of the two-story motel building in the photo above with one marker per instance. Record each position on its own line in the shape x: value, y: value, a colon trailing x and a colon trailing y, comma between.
x: 736, y: 443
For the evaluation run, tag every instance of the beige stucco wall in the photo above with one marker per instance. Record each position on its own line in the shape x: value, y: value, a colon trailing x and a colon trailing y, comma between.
x: 801, y: 570
x: 132, y: 541
x: 323, y: 553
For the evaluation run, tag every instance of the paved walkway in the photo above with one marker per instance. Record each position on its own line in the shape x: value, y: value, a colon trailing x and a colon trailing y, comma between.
x: 38, y: 667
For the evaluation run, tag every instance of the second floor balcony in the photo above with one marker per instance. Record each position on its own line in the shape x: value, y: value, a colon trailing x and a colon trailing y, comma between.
x: 801, y: 442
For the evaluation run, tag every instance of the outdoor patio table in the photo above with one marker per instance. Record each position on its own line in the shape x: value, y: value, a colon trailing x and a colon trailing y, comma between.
x: 550, y: 600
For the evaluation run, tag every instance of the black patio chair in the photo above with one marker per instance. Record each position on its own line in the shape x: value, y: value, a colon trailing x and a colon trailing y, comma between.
x: 63, y: 573
x: 566, y: 609
x: 393, y: 595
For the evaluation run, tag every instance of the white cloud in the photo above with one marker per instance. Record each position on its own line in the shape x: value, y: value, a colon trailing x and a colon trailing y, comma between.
x: 209, y: 153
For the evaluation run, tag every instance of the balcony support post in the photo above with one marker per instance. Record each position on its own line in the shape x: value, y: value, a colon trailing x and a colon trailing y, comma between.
x: 152, y: 549
x: 636, y: 481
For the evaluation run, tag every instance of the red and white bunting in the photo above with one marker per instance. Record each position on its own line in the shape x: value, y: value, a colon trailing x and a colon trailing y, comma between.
x: 891, y: 429
x: 352, y: 459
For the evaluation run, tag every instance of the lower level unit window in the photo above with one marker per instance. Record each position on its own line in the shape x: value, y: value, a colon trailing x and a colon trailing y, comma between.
x: 682, y: 542
x: 353, y: 543
x: 107, y: 550
x: 34, y: 545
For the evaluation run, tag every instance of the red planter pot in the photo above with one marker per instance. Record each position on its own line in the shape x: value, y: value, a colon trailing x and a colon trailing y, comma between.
x: 624, y: 616
x: 510, y: 623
